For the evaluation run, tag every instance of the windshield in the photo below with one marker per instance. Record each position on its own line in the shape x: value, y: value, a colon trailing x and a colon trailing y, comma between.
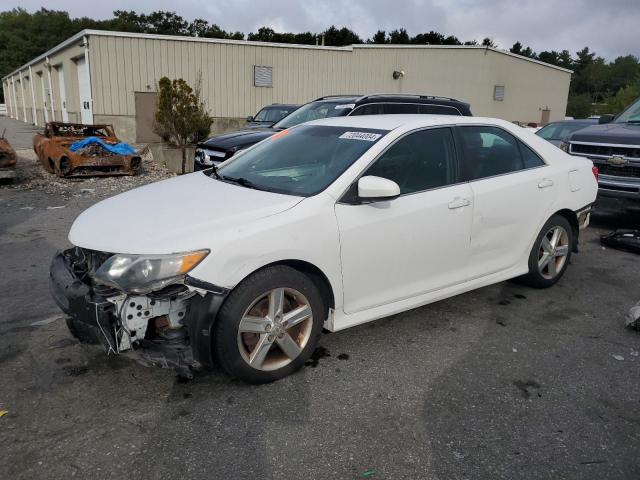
x: 560, y: 131
x: 272, y: 114
x: 302, y: 161
x: 631, y: 114
x: 314, y: 111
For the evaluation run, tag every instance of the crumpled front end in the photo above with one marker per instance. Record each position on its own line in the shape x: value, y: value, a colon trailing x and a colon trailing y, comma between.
x: 158, y: 328
x: 93, y: 160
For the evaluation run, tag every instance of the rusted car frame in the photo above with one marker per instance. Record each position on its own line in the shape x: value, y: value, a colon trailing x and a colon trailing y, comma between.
x: 7, y: 160
x: 53, y: 150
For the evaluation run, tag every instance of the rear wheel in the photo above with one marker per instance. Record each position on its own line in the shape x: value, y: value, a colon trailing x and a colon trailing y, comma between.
x: 48, y: 165
x: 550, y: 254
x: 269, y: 325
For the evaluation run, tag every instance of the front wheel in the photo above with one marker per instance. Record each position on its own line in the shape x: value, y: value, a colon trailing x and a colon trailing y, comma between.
x: 269, y: 325
x: 550, y: 254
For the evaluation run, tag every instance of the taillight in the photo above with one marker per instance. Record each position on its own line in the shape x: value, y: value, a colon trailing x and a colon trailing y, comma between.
x: 595, y: 171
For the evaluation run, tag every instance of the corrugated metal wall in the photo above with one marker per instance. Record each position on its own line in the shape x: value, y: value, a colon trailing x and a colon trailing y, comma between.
x: 122, y: 65
x: 64, y: 60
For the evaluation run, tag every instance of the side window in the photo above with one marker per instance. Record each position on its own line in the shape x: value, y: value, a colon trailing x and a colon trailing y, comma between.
x: 530, y: 158
x: 401, y: 108
x: 419, y: 161
x: 489, y: 151
x: 371, y: 109
x: 439, y: 110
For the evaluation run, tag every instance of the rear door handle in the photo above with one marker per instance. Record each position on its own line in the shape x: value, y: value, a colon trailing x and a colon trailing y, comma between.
x: 459, y: 202
x: 545, y: 183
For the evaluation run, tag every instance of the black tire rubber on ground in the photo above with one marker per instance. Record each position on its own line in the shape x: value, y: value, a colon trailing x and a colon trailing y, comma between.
x: 534, y: 278
x: 225, y: 333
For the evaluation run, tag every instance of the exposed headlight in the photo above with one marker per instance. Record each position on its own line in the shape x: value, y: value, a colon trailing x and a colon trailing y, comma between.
x: 564, y: 146
x: 144, y: 273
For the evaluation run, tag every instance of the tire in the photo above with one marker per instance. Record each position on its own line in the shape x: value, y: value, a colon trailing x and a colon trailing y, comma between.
x: 47, y: 164
x: 548, y: 262
x: 250, y: 328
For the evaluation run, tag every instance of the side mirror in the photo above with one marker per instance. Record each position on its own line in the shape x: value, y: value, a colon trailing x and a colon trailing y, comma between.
x: 249, y: 118
x: 607, y: 118
x: 373, y: 188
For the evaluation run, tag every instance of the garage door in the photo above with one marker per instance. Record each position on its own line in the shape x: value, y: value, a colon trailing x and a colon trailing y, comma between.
x: 84, y: 87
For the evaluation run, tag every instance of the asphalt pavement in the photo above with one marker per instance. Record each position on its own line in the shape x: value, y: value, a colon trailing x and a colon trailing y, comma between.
x: 501, y: 383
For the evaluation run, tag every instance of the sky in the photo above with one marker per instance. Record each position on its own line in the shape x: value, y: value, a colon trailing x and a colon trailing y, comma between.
x: 608, y: 27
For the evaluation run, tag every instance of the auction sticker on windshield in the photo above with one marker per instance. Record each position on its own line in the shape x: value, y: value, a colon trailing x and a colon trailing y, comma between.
x: 369, y: 137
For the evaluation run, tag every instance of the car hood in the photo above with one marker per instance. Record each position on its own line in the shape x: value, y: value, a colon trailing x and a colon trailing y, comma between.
x: 618, y: 133
x: 175, y: 215
x: 254, y: 125
x: 238, y: 138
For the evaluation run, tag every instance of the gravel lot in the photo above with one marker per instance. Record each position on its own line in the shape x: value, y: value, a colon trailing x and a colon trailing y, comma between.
x: 503, y: 382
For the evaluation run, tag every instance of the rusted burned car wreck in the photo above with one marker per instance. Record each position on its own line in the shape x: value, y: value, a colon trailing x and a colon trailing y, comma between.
x: 7, y: 160
x: 73, y: 149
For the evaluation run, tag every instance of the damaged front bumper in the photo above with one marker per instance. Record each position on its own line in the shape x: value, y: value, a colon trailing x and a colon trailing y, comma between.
x: 170, y: 328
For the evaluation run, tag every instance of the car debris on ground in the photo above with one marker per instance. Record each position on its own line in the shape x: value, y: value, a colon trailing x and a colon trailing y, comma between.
x: 632, y: 320
x: 628, y: 240
x: 75, y: 149
x: 8, y: 159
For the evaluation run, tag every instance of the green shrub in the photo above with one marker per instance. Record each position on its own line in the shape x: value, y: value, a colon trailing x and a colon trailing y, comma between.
x: 181, y: 118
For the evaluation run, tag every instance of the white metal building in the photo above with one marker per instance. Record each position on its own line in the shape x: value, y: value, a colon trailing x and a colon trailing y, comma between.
x: 101, y: 76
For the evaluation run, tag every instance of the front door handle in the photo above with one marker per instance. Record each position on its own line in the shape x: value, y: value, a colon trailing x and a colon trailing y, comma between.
x: 545, y: 183
x: 459, y: 202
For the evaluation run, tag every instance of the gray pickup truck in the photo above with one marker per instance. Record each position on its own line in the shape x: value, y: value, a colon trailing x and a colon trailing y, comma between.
x: 614, y: 147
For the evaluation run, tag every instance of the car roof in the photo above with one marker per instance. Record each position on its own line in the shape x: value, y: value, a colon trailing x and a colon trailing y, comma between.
x: 412, y: 98
x: 391, y: 122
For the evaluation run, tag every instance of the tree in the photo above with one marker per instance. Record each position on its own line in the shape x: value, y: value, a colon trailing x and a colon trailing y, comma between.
x: 579, y: 105
x: 435, y: 38
x: 487, y: 42
x: 399, y: 36
x: 379, y: 37
x: 181, y: 118
x: 565, y: 60
x: 623, y: 71
x: 339, y: 38
x: 623, y: 98
x: 516, y: 48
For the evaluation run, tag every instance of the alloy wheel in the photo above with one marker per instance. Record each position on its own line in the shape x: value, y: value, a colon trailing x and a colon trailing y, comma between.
x: 553, y: 253
x: 275, y: 329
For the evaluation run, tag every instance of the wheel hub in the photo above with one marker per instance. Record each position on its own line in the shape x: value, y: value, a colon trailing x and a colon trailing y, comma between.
x: 275, y: 329
x: 553, y: 253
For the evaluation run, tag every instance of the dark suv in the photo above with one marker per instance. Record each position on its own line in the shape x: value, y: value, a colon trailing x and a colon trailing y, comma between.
x: 270, y: 115
x: 220, y: 148
x: 614, y: 147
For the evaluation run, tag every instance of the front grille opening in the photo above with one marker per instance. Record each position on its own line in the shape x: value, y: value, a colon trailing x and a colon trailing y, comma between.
x: 619, y: 188
x: 632, y: 171
x: 605, y: 151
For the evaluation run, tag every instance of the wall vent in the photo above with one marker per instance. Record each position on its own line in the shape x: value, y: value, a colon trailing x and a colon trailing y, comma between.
x: 262, y: 76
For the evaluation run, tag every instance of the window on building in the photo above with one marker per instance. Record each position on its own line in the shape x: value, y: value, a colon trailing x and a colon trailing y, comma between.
x: 498, y: 93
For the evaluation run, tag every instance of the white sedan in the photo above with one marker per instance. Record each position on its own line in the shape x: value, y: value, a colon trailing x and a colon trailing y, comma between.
x: 331, y: 224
